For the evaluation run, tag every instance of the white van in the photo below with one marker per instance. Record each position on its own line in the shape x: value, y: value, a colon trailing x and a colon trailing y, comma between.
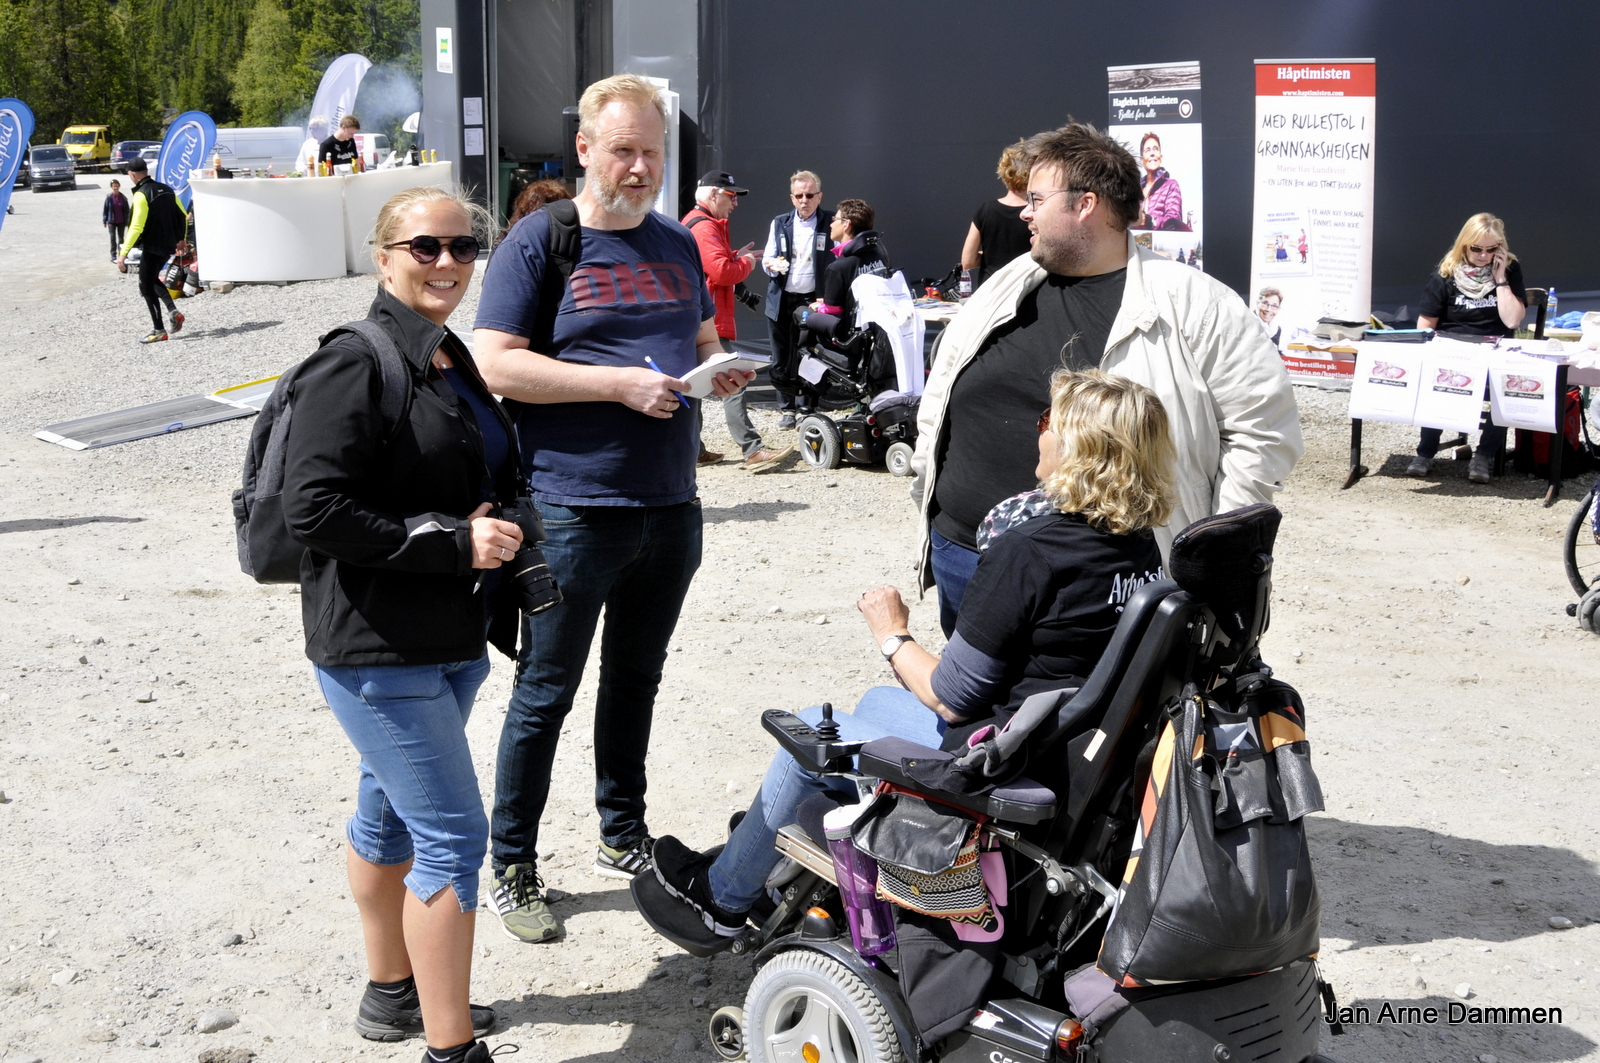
x: 257, y: 147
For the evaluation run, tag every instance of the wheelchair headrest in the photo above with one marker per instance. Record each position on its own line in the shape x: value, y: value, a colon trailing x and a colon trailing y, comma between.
x: 1225, y: 561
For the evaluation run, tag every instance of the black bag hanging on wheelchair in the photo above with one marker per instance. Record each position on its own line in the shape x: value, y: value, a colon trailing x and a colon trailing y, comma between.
x: 1219, y: 882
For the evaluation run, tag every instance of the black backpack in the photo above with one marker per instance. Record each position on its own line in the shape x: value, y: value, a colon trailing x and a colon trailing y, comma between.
x: 563, y: 247
x: 268, y: 553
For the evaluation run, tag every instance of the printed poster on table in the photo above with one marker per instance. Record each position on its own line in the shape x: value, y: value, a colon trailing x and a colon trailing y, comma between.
x: 1155, y: 114
x: 1522, y: 392
x: 1385, y: 384
x: 1311, y: 237
x: 1451, y: 394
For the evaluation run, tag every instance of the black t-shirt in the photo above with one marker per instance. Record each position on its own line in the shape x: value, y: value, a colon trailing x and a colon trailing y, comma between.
x: 1456, y: 312
x: 1002, y: 234
x: 992, y: 446
x: 337, y: 151
x: 1045, y: 600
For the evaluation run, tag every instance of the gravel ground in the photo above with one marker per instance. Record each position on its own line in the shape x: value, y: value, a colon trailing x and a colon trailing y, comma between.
x: 175, y: 791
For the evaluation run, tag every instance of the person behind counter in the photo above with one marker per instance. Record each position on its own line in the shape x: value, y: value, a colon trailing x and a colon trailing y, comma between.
x: 997, y: 233
x: 399, y: 585
x: 340, y: 149
x: 1477, y: 290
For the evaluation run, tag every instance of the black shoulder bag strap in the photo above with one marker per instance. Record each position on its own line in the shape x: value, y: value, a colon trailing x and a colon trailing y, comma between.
x: 396, y: 374
x: 563, y: 248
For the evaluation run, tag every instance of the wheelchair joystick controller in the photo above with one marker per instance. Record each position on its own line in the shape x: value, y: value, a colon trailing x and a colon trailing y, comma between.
x: 827, y: 730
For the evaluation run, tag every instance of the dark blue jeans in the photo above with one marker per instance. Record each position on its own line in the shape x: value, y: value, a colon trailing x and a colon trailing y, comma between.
x: 636, y: 562
x: 953, y: 566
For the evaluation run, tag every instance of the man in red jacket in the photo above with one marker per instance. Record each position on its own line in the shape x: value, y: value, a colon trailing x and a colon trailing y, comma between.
x: 715, y: 200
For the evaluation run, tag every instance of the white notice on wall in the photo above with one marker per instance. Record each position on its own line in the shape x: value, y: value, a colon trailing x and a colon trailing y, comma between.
x: 1451, y: 394
x: 1385, y: 384
x: 472, y: 110
x: 472, y: 140
x: 444, y: 59
x: 1522, y: 392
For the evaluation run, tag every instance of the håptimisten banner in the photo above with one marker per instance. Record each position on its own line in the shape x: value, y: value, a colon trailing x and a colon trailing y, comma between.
x: 1311, y: 241
x: 1155, y: 113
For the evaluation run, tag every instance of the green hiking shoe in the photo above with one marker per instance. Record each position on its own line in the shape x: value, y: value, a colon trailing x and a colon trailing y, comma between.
x: 519, y: 900
x: 627, y: 860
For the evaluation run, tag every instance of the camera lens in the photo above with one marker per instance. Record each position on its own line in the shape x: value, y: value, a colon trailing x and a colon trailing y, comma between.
x: 528, y: 578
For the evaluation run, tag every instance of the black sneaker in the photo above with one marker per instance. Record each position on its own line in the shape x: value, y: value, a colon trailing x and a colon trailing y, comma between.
x: 385, y: 1018
x: 478, y: 1053
x: 682, y: 872
x: 626, y: 860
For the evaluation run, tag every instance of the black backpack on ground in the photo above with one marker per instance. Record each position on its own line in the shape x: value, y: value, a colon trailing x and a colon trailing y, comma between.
x: 268, y: 553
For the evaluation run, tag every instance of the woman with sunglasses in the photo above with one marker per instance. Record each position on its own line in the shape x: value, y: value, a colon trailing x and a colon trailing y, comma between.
x: 1057, y: 565
x: 1477, y: 290
x: 398, y: 592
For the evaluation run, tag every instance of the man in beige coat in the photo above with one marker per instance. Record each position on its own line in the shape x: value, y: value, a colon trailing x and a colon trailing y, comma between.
x: 1086, y: 297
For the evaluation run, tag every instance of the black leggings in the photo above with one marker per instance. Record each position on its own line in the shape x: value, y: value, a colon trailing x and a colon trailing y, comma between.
x: 150, y: 286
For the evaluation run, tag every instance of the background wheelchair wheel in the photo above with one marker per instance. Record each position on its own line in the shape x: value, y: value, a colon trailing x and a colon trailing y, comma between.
x: 898, y: 458
x: 727, y: 1033
x: 803, y: 998
x: 821, y: 445
x: 1581, y: 553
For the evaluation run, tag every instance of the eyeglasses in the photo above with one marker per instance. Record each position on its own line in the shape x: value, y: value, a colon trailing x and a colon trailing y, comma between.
x: 1475, y: 249
x: 805, y: 195
x: 464, y: 249
x: 1044, y: 421
x: 1037, y: 199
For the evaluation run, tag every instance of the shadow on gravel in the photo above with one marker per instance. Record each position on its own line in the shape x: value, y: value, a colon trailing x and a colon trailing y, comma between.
x: 1385, y: 885
x: 747, y: 511
x: 1468, y: 1037
x: 1449, y: 477
x: 235, y: 330
x: 48, y: 523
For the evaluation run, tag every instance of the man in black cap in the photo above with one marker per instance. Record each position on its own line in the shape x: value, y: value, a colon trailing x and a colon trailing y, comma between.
x: 715, y: 200
x: 157, y: 226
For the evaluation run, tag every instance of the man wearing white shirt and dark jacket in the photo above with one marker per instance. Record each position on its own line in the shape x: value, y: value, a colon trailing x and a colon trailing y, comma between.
x: 796, y: 252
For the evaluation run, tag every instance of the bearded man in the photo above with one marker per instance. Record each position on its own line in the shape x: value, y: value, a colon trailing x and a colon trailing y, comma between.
x: 1087, y: 296
x: 611, y: 450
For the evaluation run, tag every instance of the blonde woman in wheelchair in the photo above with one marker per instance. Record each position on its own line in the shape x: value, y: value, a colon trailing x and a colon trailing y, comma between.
x: 1057, y: 563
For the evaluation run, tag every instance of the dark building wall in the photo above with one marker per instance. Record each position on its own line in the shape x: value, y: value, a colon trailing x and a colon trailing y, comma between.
x: 1481, y: 106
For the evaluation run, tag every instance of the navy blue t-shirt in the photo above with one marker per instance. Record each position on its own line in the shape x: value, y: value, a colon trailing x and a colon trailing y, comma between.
x: 634, y: 292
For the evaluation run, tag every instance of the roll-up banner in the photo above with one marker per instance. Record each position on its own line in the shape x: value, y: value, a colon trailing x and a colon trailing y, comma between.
x: 1155, y: 113
x: 184, y: 149
x: 16, y: 126
x: 1311, y: 242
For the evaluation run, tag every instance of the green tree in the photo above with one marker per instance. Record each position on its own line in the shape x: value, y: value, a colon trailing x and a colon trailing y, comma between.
x: 270, y: 80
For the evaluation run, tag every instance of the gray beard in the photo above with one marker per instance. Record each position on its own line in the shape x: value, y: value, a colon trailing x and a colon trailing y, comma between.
x: 1064, y: 258
x: 613, y: 198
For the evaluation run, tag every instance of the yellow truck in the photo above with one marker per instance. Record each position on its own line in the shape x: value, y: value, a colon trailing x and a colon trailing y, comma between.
x: 89, y: 146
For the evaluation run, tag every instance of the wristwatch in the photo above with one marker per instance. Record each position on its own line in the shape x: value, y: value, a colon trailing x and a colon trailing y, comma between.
x: 893, y: 643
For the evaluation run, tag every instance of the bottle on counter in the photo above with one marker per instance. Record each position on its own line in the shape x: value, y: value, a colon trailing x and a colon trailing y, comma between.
x: 1552, y: 306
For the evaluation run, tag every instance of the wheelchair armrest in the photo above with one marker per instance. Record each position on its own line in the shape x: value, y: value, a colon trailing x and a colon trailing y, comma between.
x: 801, y: 741
x: 1018, y: 801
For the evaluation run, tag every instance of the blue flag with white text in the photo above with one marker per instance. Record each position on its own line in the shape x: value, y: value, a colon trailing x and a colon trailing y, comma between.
x: 189, y: 140
x: 16, y: 126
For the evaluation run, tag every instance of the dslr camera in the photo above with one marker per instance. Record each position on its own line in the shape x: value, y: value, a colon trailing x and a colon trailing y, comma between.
x: 746, y: 296
x: 527, y: 575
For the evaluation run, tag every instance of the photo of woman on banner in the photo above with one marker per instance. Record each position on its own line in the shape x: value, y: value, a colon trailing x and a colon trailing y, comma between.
x: 1269, y: 301
x: 1163, y: 197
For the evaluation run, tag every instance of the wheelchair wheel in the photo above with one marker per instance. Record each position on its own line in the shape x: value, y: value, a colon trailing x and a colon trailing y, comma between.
x: 898, y: 458
x: 805, y: 1005
x: 727, y: 1033
x: 821, y: 445
x: 1581, y: 552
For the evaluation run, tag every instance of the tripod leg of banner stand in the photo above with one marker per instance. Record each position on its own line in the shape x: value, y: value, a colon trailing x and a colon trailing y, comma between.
x: 1558, y: 442
x: 1357, y: 470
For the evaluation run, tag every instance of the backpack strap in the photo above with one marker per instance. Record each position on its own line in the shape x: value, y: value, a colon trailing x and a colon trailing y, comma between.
x: 696, y: 220
x: 396, y: 396
x: 563, y: 248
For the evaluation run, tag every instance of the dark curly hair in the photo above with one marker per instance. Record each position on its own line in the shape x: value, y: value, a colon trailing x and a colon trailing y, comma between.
x: 1091, y: 161
x: 858, y: 212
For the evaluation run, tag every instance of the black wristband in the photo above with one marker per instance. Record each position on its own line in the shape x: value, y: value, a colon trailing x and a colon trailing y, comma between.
x: 1502, y: 284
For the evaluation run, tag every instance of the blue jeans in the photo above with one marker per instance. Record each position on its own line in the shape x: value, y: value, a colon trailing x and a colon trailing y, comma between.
x: 739, y: 875
x: 417, y: 798
x: 636, y: 562
x: 953, y: 566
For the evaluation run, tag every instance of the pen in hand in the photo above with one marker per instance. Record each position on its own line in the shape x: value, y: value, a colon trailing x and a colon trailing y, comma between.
x: 651, y: 363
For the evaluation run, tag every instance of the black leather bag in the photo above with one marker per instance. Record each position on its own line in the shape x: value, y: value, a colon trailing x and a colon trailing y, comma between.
x: 1219, y: 883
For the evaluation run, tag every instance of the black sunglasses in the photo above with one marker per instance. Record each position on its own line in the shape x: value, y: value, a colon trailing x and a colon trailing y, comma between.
x: 805, y: 195
x: 1044, y: 422
x: 464, y: 249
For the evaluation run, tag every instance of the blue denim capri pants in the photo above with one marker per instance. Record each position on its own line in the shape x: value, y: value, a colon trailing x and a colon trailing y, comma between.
x: 418, y: 795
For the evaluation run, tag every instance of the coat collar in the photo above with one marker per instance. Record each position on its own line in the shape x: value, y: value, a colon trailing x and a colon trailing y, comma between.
x: 1137, y: 312
x: 415, y: 335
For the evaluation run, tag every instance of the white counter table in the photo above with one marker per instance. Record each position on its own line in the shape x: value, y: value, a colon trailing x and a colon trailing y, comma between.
x: 296, y: 228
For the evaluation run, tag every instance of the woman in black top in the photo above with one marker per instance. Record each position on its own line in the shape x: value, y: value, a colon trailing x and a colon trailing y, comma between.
x: 857, y: 250
x: 1477, y: 290
x: 997, y: 233
x: 397, y: 586
x: 1058, y: 564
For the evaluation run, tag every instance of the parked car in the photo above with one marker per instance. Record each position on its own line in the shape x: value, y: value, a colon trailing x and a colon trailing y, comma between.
x: 49, y: 166
x: 374, y: 147
x: 88, y: 145
x: 125, y: 151
x: 260, y: 147
x: 151, y: 154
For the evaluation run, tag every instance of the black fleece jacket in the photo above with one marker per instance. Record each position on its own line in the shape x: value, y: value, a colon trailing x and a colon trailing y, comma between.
x: 387, y: 578
x: 863, y: 254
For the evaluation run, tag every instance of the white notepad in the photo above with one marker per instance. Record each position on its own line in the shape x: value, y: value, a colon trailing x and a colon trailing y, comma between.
x: 699, y: 380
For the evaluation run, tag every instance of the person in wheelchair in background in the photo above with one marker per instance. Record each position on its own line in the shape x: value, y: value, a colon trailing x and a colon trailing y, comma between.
x: 1057, y: 564
x: 858, y: 251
